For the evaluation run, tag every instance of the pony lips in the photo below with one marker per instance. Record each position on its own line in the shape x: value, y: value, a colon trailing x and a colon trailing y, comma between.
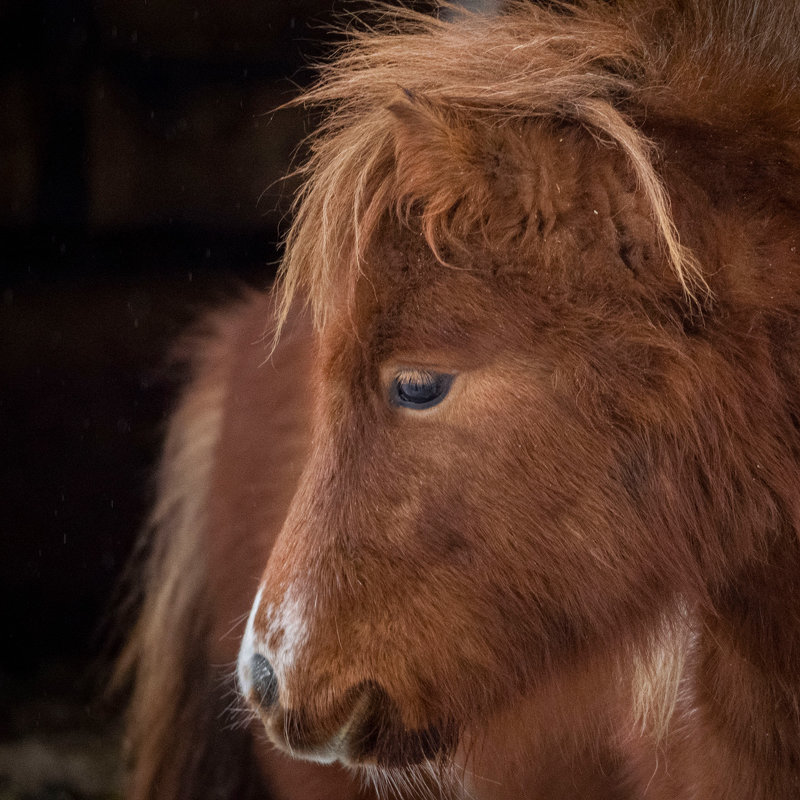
x: 364, y: 729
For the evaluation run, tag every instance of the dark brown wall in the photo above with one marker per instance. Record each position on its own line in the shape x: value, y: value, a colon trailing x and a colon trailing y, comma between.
x: 140, y: 164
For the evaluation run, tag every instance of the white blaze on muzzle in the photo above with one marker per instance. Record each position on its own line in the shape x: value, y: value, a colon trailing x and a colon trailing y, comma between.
x: 287, y: 627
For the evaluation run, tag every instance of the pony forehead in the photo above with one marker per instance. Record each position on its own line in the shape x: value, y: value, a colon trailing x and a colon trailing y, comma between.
x: 419, y: 108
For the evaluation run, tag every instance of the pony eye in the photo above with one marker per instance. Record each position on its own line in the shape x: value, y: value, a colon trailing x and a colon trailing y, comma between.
x: 419, y: 389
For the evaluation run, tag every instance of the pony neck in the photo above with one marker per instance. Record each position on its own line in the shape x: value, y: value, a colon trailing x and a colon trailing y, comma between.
x: 739, y: 696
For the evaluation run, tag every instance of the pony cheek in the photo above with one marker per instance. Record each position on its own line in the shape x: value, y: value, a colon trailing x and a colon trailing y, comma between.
x: 414, y: 608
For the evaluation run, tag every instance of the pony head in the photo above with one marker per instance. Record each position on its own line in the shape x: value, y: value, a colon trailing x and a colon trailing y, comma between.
x: 515, y: 419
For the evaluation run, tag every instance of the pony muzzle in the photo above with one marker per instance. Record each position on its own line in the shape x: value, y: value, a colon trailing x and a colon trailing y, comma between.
x: 363, y: 728
x: 294, y: 731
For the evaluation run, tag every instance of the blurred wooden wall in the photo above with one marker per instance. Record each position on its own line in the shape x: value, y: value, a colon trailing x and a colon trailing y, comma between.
x: 141, y: 159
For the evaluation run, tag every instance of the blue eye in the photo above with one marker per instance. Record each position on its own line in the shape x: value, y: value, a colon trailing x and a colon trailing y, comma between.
x: 419, y: 389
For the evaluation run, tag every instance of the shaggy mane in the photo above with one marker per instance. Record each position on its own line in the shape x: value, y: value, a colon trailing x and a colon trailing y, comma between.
x: 603, y: 68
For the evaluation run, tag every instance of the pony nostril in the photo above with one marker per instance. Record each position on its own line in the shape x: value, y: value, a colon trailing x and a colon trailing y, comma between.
x: 265, y: 683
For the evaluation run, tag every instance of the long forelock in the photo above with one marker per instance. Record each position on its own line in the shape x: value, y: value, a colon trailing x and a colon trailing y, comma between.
x: 587, y: 64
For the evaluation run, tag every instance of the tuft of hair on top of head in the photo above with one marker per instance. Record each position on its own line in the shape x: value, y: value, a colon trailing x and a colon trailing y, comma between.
x: 603, y: 67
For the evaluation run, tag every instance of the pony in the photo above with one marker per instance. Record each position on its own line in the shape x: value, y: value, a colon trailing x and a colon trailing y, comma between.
x: 495, y: 493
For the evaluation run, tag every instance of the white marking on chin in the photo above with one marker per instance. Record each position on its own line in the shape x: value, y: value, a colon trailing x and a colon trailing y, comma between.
x: 337, y: 748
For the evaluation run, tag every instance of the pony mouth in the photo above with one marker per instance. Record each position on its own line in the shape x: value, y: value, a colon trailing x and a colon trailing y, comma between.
x: 367, y: 731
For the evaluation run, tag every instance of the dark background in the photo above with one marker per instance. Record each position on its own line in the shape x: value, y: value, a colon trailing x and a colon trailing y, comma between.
x: 140, y: 165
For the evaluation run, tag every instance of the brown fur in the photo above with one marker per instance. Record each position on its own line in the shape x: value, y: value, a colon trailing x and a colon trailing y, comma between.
x: 583, y: 567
